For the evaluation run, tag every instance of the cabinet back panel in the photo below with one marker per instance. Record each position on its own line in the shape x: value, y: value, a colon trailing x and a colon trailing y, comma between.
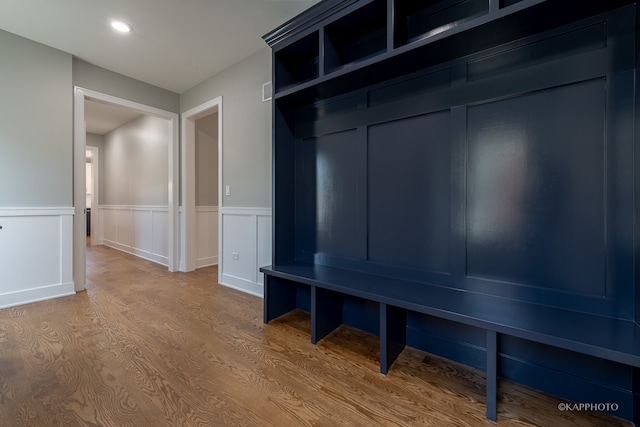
x: 328, y: 193
x: 515, y: 183
x: 409, y: 211
x: 535, y: 189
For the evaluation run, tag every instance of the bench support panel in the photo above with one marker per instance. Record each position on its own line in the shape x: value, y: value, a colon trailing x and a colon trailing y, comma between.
x: 279, y: 297
x: 492, y: 375
x: 393, y: 335
x: 326, y: 312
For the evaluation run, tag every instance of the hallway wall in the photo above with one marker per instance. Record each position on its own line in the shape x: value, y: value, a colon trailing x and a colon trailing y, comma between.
x: 36, y: 180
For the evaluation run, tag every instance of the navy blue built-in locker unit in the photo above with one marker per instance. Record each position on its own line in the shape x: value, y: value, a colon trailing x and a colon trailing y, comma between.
x: 477, y: 156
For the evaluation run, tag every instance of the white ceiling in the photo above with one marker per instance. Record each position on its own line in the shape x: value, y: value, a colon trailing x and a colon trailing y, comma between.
x: 175, y: 44
x: 101, y: 118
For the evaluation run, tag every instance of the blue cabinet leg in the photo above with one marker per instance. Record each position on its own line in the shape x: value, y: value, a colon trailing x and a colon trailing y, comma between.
x: 393, y: 335
x: 492, y: 375
x: 636, y: 395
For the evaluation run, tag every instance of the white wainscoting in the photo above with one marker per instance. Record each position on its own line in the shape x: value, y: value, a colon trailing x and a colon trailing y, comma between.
x: 207, y: 236
x: 36, y: 254
x: 138, y: 230
x: 246, y: 246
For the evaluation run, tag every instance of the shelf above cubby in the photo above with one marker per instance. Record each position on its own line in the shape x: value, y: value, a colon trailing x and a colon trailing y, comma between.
x: 357, y: 36
x: 418, y: 20
x: 297, y: 63
x: 507, y: 3
x: 331, y: 58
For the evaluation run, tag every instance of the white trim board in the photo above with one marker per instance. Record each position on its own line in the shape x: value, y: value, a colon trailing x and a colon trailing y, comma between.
x: 6, y: 212
x: 40, y: 236
x: 246, y: 247
x: 188, y: 222
x: 138, y: 230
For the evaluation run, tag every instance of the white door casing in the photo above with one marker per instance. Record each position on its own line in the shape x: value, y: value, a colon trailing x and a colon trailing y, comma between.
x: 188, y: 220
x: 79, y: 222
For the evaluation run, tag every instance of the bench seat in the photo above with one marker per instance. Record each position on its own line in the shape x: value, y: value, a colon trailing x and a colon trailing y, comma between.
x: 602, y: 337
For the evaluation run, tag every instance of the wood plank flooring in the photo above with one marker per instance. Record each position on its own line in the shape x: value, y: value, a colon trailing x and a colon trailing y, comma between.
x: 144, y: 347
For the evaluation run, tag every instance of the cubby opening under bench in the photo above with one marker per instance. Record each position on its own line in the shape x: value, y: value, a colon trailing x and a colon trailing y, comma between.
x: 461, y: 177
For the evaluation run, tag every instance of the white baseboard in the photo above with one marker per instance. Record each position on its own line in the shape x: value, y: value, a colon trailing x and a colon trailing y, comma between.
x: 158, y: 259
x: 207, y: 262
x: 242, y: 285
x: 28, y: 296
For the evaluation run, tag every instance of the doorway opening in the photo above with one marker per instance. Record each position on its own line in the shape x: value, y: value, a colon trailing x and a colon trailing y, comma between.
x: 201, y: 223
x: 169, y: 223
x: 92, y: 167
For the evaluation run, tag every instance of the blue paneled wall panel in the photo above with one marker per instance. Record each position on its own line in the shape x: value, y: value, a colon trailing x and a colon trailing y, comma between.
x: 536, y: 189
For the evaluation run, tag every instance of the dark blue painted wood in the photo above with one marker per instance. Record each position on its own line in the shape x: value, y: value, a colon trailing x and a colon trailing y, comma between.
x: 356, y: 36
x: 636, y: 396
x: 284, y: 180
x: 409, y: 201
x: 528, y: 83
x: 544, y: 256
x: 528, y: 189
x: 326, y: 312
x: 393, y: 335
x: 419, y: 20
x: 279, y: 297
x: 492, y: 375
x: 329, y: 213
x: 608, y: 338
x: 361, y: 314
x: 567, y: 386
x: 297, y: 63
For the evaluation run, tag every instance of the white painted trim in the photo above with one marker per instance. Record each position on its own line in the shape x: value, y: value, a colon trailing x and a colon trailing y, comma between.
x: 159, y: 208
x: 207, y: 262
x: 247, y: 211
x: 188, y: 219
x: 128, y: 244
x: 243, y: 225
x: 37, y: 294
x: 79, y: 190
x: 79, y: 170
x: 267, y: 91
x: 36, y: 211
x: 213, y: 259
x: 149, y: 256
x: 58, y: 281
x: 242, y: 285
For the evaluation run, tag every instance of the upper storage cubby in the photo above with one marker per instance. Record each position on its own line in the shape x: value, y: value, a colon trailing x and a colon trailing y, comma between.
x: 356, y: 36
x: 298, y: 62
x: 416, y: 20
x: 505, y: 3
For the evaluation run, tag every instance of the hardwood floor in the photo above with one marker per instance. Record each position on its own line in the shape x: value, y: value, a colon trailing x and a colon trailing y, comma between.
x: 144, y: 347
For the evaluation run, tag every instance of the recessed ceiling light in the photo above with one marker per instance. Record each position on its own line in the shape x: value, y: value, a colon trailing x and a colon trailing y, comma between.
x: 121, y: 26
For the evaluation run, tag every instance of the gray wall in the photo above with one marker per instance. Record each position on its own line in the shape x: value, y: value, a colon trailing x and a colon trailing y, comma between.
x: 206, y: 144
x: 36, y: 166
x: 136, y: 163
x: 89, y: 76
x: 246, y: 128
x: 36, y: 135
